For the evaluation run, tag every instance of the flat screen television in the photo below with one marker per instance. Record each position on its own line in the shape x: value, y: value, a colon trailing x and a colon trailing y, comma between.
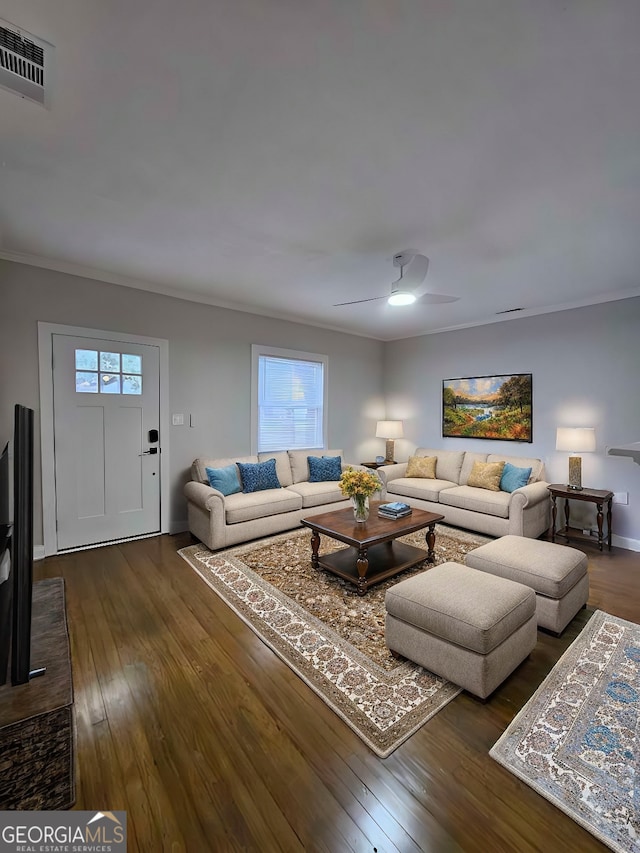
x: 16, y: 559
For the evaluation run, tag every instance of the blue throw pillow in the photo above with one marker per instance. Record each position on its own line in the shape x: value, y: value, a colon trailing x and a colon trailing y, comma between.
x: 258, y: 476
x: 513, y: 478
x: 321, y: 470
x: 225, y: 480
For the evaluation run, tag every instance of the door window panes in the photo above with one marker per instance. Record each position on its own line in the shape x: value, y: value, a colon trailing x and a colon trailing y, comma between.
x: 131, y: 363
x: 110, y: 361
x: 86, y: 359
x: 86, y: 383
x: 131, y: 384
x: 108, y: 372
x: 110, y: 383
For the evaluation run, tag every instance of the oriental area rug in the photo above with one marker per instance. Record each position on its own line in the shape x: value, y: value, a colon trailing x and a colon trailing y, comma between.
x: 330, y: 636
x: 576, y: 742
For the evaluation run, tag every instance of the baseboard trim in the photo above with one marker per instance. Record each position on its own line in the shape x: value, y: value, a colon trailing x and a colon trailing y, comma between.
x: 625, y: 542
x: 178, y: 527
x: 38, y: 552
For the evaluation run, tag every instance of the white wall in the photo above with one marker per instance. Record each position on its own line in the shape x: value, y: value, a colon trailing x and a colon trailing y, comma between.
x: 584, y: 364
x: 586, y: 372
x: 209, y: 364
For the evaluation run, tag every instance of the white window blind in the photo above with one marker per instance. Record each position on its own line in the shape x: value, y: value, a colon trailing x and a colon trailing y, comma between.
x: 291, y: 402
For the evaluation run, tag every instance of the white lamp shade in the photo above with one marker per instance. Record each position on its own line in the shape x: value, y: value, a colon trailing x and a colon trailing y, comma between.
x: 389, y: 429
x: 576, y: 439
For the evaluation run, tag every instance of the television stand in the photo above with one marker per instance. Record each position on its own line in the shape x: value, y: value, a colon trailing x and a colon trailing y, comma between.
x: 36, y: 718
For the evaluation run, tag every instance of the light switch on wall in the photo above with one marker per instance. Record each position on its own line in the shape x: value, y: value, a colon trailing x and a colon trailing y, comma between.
x: 177, y: 420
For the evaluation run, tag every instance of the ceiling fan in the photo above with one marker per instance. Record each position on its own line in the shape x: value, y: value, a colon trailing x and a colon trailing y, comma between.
x: 409, y: 287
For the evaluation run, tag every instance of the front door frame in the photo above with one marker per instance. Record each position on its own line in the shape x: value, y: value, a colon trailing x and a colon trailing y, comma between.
x: 47, y: 443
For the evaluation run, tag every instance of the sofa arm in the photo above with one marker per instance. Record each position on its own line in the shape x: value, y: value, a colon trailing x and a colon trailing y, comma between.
x: 206, y: 514
x: 392, y: 472
x: 529, y: 495
x: 529, y: 510
x: 203, y: 496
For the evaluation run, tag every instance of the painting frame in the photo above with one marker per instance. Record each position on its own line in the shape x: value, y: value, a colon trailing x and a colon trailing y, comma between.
x: 496, y: 407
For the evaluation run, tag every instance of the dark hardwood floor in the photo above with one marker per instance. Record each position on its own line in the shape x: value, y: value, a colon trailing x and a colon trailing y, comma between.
x: 187, y: 721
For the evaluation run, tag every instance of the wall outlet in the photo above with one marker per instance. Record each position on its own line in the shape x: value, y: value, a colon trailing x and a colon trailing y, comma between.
x: 621, y: 497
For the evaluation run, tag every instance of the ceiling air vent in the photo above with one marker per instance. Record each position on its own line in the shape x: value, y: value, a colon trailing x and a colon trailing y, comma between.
x: 509, y: 311
x: 25, y: 64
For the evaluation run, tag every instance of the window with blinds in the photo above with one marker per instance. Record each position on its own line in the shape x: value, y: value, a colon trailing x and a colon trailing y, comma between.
x: 290, y: 407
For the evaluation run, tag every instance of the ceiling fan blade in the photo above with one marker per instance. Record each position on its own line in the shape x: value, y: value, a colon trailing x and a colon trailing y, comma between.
x: 436, y: 298
x: 358, y: 301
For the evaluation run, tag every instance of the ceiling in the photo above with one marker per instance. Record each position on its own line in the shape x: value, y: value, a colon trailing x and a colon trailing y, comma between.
x: 273, y: 155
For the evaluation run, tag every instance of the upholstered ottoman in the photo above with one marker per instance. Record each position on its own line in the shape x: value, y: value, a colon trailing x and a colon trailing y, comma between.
x: 466, y: 626
x: 556, y: 573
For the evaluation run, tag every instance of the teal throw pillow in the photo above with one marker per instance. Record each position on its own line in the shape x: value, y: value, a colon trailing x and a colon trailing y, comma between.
x: 225, y: 480
x: 322, y: 470
x: 259, y: 476
x: 513, y: 478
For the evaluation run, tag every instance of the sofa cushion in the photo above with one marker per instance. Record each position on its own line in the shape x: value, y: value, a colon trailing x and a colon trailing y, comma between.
x: 478, y: 500
x: 259, y: 476
x: 299, y: 464
x: 283, y: 468
x: 225, y: 480
x: 486, y: 475
x: 199, y: 466
x: 422, y: 466
x: 536, y: 465
x: 316, y: 494
x: 514, y: 478
x: 448, y: 465
x: 246, y: 507
x: 324, y: 469
x: 416, y: 487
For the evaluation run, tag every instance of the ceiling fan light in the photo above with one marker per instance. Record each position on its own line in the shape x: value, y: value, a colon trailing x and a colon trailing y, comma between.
x: 401, y: 297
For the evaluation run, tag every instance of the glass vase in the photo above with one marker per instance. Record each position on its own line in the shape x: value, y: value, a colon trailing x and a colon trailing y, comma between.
x: 360, y: 508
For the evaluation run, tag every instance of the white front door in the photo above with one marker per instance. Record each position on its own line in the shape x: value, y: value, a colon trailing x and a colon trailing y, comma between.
x: 106, y: 402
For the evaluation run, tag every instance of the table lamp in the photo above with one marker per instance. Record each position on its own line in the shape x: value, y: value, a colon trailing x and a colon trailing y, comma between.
x: 389, y: 430
x: 575, y: 439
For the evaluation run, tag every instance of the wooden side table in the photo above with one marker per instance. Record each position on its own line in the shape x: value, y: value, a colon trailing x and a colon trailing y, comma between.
x: 597, y: 496
x: 376, y: 465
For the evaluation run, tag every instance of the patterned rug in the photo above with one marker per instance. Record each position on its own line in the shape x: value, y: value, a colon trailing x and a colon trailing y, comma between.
x: 331, y: 637
x: 576, y: 741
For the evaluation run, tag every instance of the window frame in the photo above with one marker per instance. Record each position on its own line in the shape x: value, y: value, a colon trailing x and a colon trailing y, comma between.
x: 258, y: 350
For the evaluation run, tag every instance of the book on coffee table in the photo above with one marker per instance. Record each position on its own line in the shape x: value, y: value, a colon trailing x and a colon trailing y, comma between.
x: 397, y: 509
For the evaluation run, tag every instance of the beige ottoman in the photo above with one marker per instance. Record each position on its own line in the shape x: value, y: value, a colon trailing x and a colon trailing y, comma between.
x: 466, y: 626
x: 556, y: 573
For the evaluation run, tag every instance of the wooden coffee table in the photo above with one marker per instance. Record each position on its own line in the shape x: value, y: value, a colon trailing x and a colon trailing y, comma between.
x: 374, y: 554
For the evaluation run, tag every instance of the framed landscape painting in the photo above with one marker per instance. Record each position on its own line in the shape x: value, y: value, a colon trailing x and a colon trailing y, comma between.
x: 495, y: 407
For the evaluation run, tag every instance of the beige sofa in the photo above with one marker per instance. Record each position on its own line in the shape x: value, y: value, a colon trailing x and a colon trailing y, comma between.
x: 523, y: 512
x: 220, y: 521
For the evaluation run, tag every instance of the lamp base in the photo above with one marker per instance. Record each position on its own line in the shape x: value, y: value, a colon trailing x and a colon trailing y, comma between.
x: 575, y: 473
x: 389, y: 450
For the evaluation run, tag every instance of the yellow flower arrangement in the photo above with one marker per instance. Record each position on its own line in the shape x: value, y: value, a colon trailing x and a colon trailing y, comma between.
x: 358, y: 483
